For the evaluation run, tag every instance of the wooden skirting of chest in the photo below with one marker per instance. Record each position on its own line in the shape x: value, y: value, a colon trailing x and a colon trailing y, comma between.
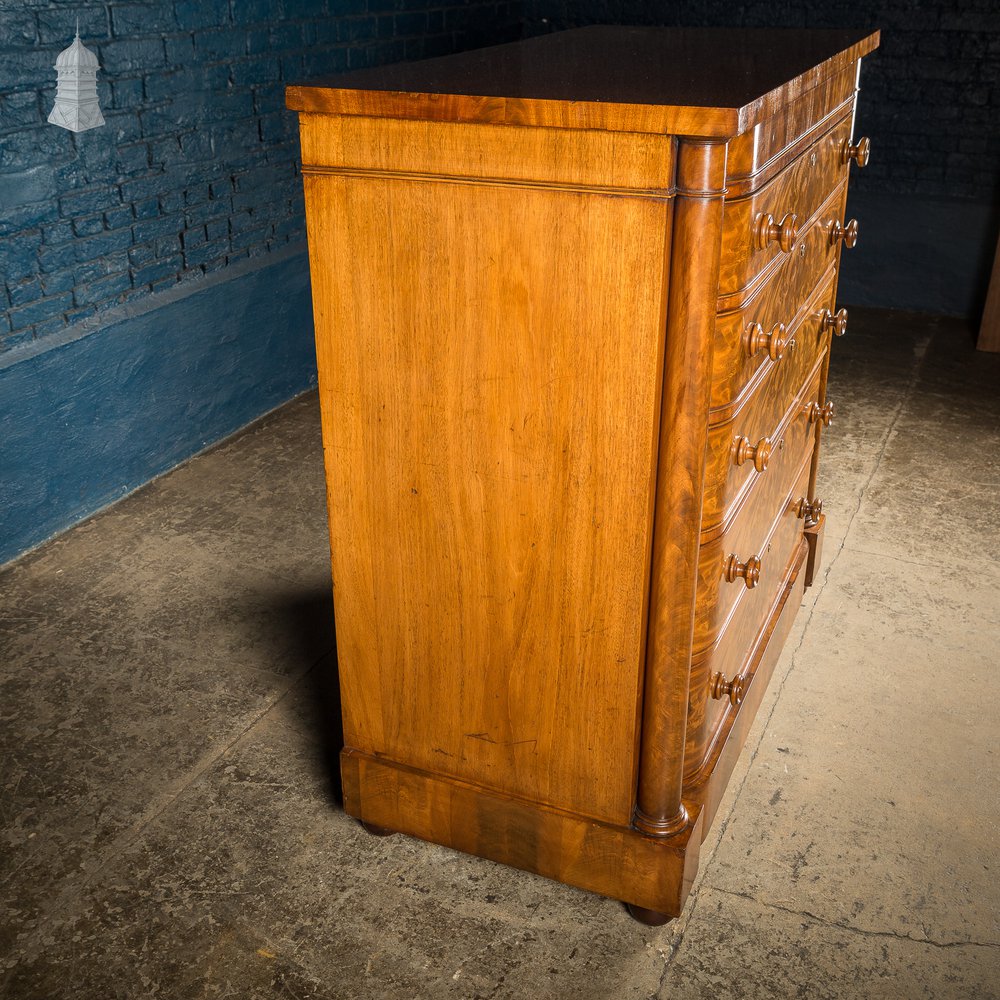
x: 573, y: 323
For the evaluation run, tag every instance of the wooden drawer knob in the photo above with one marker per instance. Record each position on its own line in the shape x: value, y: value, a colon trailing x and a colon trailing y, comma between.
x: 848, y: 233
x: 836, y: 321
x: 821, y: 413
x: 734, y: 690
x: 748, y: 571
x: 857, y: 151
x: 809, y: 509
x: 785, y: 233
x: 775, y: 342
x: 759, y: 453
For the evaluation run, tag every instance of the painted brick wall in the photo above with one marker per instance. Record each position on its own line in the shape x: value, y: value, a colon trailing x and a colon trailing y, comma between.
x: 930, y: 94
x: 196, y: 167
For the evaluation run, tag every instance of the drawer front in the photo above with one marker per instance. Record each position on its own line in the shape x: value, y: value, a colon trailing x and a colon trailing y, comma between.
x: 745, y: 621
x: 734, y: 366
x: 800, y: 190
x: 765, y: 414
x: 717, y: 597
x: 756, y: 155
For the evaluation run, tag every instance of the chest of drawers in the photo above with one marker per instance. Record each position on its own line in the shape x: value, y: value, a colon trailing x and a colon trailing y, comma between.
x: 574, y: 302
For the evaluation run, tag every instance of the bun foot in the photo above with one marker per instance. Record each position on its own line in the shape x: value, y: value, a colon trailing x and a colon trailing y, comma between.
x: 651, y: 918
x: 377, y: 831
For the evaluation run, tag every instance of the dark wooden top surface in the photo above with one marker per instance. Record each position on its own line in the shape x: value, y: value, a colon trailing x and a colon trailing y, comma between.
x: 708, y: 81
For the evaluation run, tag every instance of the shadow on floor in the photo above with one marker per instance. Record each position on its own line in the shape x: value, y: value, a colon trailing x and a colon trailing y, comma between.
x: 310, y: 620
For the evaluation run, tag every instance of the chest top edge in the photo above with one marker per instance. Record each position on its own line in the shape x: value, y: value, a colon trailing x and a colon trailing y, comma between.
x: 699, y: 82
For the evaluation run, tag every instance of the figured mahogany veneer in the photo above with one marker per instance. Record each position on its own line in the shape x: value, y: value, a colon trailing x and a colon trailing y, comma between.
x: 783, y: 300
x: 733, y: 616
x: 745, y: 534
x: 797, y: 192
x: 763, y: 413
x: 760, y: 152
x: 574, y: 300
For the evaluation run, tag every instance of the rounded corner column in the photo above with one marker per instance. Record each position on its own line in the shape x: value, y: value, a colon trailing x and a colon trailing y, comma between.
x: 692, y: 289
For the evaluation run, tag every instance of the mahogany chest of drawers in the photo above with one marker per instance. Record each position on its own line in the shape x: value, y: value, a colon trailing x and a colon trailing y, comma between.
x: 574, y: 302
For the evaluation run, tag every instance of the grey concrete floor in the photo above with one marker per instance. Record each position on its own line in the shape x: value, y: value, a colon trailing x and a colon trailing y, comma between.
x: 168, y: 818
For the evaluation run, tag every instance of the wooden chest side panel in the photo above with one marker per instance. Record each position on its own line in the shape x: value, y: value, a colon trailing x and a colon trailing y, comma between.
x: 490, y: 363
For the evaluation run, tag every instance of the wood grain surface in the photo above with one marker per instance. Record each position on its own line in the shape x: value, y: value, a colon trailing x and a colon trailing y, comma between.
x: 537, y: 157
x: 989, y: 327
x: 614, y: 861
x: 814, y: 537
x: 690, y: 323
x: 787, y: 298
x: 821, y: 396
x: 778, y: 382
x: 745, y: 536
x: 771, y: 411
x: 490, y: 378
x: 819, y: 254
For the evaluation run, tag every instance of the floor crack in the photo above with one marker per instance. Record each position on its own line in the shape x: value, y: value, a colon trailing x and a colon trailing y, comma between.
x: 921, y: 353
x: 68, y: 900
x: 862, y: 931
x: 930, y: 563
x: 684, y: 920
x: 177, y: 788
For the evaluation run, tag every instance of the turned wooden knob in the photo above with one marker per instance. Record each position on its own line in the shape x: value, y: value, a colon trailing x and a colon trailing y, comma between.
x: 822, y: 413
x: 836, y: 321
x: 785, y: 233
x: 774, y: 342
x: 848, y: 233
x: 734, y: 690
x: 760, y: 452
x: 748, y: 571
x: 809, y: 509
x: 857, y: 151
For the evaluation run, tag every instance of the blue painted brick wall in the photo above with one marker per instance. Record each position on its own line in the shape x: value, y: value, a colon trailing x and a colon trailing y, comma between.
x: 196, y: 167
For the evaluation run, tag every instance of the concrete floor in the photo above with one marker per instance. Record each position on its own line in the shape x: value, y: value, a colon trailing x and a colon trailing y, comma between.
x: 168, y: 709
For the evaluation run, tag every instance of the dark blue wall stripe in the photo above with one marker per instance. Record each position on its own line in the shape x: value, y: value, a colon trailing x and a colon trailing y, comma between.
x: 90, y: 420
x: 922, y: 254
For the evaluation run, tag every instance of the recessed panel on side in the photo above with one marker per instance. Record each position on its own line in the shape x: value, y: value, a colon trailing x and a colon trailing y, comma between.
x: 490, y: 360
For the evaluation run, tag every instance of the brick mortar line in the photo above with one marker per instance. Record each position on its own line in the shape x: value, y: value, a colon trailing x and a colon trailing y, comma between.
x: 100, y: 321
x: 411, y: 35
